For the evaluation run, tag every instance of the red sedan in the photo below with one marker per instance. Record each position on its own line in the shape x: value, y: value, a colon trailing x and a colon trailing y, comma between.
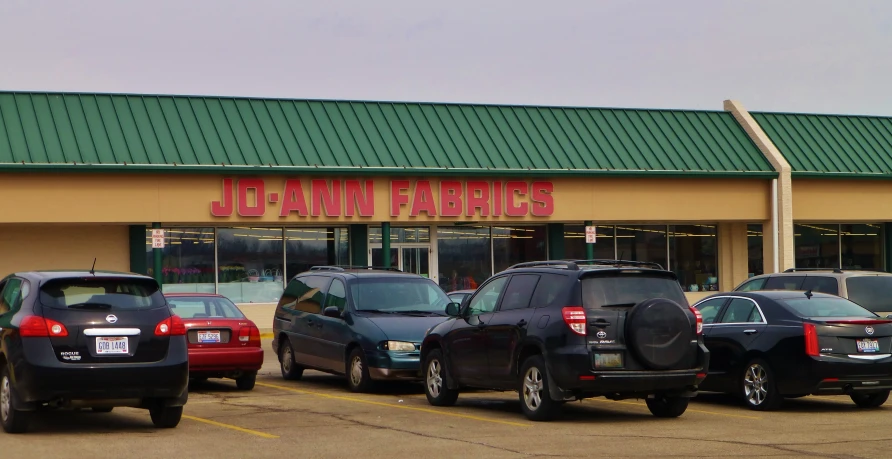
x: 223, y: 343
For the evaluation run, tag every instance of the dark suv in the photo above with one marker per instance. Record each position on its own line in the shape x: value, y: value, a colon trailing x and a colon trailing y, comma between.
x: 89, y: 339
x: 362, y: 322
x: 557, y: 331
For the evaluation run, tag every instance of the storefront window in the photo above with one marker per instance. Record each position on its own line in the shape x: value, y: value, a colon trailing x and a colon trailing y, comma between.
x: 251, y: 264
x: 817, y: 245
x: 574, y: 242
x: 693, y: 257
x: 862, y: 246
x: 187, y: 260
x: 755, y: 254
x: 308, y: 247
x: 517, y: 244
x: 401, y: 235
x: 641, y: 243
x: 464, y: 257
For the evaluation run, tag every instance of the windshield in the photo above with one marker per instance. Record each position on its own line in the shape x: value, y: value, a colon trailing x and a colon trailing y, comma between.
x: 628, y: 290
x: 871, y: 292
x: 825, y: 307
x: 390, y: 294
x: 204, y: 308
x: 101, y: 293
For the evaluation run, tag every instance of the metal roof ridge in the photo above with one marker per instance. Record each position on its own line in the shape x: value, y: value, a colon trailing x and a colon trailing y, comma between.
x: 841, y: 115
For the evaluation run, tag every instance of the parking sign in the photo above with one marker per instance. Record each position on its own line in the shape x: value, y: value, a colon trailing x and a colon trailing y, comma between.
x: 590, y: 234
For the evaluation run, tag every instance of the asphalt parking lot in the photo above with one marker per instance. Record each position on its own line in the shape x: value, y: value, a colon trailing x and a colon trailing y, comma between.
x: 319, y: 417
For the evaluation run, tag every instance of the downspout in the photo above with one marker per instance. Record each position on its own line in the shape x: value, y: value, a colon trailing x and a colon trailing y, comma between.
x: 774, y: 232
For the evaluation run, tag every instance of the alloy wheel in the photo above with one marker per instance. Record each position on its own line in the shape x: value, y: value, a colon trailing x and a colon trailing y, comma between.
x: 434, y: 378
x: 532, y: 388
x: 5, y: 399
x: 356, y: 371
x: 755, y: 383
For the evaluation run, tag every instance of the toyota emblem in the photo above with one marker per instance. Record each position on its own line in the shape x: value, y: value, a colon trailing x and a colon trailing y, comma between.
x: 111, y: 318
x: 868, y: 329
x: 602, y: 334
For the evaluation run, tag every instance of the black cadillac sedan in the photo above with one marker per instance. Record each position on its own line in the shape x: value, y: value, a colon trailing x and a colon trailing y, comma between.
x: 771, y: 345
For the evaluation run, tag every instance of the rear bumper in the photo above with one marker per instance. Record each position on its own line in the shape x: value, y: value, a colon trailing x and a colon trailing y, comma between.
x: 833, y: 375
x: 231, y: 359
x: 41, y: 377
x: 388, y: 365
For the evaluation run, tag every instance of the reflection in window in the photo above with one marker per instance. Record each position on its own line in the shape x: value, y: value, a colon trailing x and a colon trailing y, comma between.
x: 641, y: 243
x: 251, y: 264
x: 187, y: 260
x: 862, y: 246
x: 574, y: 242
x: 693, y: 253
x: 754, y: 242
x: 308, y: 247
x: 817, y: 245
x: 401, y: 235
x: 464, y: 257
x: 517, y: 244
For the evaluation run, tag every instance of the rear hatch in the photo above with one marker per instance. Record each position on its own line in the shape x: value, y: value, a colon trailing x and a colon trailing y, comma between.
x: 872, y: 292
x: 106, y: 319
x: 631, y: 326
x: 211, y: 322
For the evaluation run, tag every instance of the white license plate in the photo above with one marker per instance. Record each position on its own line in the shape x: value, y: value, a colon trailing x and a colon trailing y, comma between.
x: 208, y: 337
x: 868, y: 345
x: 107, y: 345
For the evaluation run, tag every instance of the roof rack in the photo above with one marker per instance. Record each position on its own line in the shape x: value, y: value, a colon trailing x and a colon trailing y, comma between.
x: 796, y: 270
x: 553, y: 263
x: 346, y: 267
x: 573, y: 265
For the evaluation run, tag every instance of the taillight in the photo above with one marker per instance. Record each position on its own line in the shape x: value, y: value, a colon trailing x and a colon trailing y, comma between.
x: 574, y: 316
x: 171, y: 326
x: 33, y: 326
x: 699, y: 320
x: 811, y: 340
x: 249, y: 334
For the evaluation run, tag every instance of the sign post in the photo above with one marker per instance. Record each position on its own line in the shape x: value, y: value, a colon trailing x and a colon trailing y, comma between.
x: 590, y: 238
x: 157, y: 245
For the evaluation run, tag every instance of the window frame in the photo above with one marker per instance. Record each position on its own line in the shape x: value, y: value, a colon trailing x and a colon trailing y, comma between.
x: 750, y: 281
x: 508, y: 285
x: 328, y: 291
x: 721, y: 313
x: 718, y: 314
x: 466, y: 312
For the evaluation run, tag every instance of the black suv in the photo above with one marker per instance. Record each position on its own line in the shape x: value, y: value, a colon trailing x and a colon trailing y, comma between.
x: 556, y: 331
x: 89, y: 339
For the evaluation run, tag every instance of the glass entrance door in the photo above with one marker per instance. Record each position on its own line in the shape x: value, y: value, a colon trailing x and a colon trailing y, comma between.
x: 412, y: 258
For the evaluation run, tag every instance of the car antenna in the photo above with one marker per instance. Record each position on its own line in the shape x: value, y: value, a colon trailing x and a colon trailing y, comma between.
x: 808, y: 294
x: 93, y: 269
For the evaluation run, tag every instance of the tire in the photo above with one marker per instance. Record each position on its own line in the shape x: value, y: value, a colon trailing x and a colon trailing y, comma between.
x: 873, y: 400
x: 659, y: 333
x: 357, y: 371
x: 290, y: 370
x: 758, y: 387
x: 435, y: 372
x: 104, y: 409
x: 13, y: 421
x: 246, y: 381
x: 533, y: 393
x: 667, y: 407
x: 166, y: 417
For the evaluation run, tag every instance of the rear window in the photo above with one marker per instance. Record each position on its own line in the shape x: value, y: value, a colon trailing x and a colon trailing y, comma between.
x: 204, y: 308
x: 621, y: 290
x: 871, y: 292
x: 101, y: 293
x: 825, y: 307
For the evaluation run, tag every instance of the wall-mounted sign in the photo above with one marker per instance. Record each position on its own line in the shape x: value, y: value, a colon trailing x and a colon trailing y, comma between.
x: 157, y: 238
x: 251, y: 197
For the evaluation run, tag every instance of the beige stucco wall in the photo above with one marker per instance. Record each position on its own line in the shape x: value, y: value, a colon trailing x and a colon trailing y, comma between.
x: 31, y: 247
x: 843, y: 201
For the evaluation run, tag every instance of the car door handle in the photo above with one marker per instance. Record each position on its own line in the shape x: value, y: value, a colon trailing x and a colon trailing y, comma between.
x: 750, y: 332
x: 601, y: 323
x: 522, y: 323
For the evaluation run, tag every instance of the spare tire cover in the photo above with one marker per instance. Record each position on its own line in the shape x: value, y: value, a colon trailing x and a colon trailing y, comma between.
x: 659, y: 333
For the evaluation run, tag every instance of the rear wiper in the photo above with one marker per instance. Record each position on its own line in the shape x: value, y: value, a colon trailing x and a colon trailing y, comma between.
x: 90, y: 306
x: 618, y: 305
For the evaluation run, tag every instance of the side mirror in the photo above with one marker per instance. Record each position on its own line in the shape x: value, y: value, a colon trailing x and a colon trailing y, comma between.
x: 332, y: 311
x: 453, y: 309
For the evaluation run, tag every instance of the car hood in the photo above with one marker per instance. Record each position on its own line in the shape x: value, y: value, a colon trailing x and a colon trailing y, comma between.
x: 404, y: 327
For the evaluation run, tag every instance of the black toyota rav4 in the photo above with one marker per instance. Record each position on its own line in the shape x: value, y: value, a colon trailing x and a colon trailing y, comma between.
x: 89, y: 339
x: 556, y: 331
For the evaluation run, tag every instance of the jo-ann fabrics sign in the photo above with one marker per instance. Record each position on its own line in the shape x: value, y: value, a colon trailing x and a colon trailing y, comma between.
x: 252, y: 197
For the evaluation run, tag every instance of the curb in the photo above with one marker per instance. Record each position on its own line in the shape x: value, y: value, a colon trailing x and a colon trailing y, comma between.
x: 266, y: 334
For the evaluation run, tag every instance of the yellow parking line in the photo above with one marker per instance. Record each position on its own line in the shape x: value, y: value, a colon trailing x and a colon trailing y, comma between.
x: 689, y: 409
x: 391, y: 405
x: 230, y: 426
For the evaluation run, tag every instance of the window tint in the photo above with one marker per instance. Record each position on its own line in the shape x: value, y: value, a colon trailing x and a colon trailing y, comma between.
x: 101, y: 293
x: 709, y: 309
x: 755, y: 284
x: 486, y: 298
x: 629, y: 290
x: 337, y: 295
x: 305, y: 294
x: 825, y: 307
x: 740, y: 310
x: 871, y: 292
x: 397, y: 294
x: 549, y: 290
x: 207, y: 307
x: 823, y: 284
x: 519, y: 292
x: 784, y: 283
x: 12, y: 296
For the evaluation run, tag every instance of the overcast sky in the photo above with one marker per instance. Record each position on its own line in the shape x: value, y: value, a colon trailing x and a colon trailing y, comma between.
x: 778, y: 55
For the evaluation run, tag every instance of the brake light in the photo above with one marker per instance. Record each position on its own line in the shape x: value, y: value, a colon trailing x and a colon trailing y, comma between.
x: 574, y: 316
x: 859, y: 322
x: 699, y: 319
x: 171, y: 326
x: 811, y: 340
x: 249, y: 334
x: 34, y: 326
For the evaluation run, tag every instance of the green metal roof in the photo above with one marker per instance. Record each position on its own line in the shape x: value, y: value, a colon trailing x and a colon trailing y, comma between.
x: 148, y: 132
x: 831, y: 145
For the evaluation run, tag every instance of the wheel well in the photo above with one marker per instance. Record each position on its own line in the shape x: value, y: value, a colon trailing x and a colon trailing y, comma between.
x: 428, y: 348
x: 2, y: 360
x: 349, y: 349
x: 282, y: 340
x: 528, y: 351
